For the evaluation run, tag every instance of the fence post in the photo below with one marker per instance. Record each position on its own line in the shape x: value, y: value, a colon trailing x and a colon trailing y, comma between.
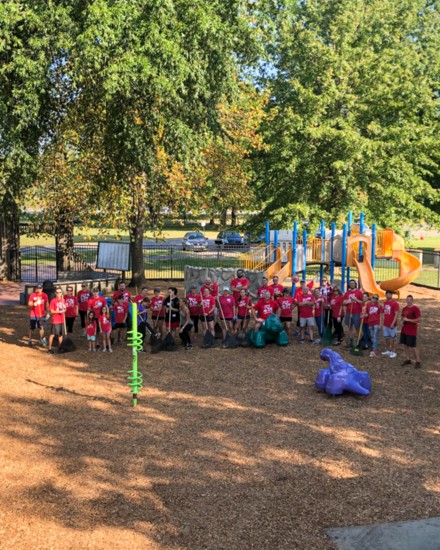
x: 36, y: 263
x: 172, y: 270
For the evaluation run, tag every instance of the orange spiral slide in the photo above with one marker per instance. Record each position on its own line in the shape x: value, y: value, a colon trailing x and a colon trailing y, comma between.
x: 410, y: 266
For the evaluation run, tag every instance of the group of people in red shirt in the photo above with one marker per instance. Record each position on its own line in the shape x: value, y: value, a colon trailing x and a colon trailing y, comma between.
x: 364, y: 317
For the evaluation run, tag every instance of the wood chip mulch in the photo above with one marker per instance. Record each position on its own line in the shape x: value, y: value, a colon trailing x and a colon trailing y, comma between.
x: 227, y: 449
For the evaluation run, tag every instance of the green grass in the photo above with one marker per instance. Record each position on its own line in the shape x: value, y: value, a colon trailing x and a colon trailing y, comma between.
x: 427, y: 242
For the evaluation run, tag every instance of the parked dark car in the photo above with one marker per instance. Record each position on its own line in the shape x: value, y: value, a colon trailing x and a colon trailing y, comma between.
x: 229, y: 238
x: 193, y: 240
x: 256, y: 238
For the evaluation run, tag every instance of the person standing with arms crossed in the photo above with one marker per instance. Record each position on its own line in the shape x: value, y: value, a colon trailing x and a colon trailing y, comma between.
x: 408, y: 334
x: 390, y: 315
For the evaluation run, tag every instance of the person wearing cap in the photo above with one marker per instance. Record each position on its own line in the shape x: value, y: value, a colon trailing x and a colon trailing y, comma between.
x: 193, y: 300
x: 38, y: 304
x: 264, y: 288
x: 227, y: 309
x: 239, y: 283
x: 157, y: 310
x: 83, y: 299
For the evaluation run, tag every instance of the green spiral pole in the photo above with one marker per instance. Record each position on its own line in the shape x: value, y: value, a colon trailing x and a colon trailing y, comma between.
x: 135, y: 342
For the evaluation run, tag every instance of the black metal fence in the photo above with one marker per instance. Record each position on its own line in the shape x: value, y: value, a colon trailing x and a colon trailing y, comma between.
x: 38, y: 263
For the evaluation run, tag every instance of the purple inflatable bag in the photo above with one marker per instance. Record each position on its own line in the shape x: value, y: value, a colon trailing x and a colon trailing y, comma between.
x: 340, y: 376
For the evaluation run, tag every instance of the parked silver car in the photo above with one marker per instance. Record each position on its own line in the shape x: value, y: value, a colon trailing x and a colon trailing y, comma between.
x: 193, y: 240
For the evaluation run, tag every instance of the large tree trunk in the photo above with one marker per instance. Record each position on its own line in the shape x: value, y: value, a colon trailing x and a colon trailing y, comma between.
x: 10, y: 266
x: 233, y: 217
x: 64, y: 244
x: 137, y: 255
x: 224, y: 217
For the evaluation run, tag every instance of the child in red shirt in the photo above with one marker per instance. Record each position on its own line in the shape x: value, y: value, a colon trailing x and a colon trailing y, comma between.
x: 374, y: 313
x: 91, y: 330
x: 105, y: 326
x: 287, y: 305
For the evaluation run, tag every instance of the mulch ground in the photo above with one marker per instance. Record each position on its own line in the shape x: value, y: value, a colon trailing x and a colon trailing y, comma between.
x: 227, y: 449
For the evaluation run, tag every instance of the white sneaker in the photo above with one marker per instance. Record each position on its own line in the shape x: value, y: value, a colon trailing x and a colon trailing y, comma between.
x: 392, y: 355
x: 386, y: 353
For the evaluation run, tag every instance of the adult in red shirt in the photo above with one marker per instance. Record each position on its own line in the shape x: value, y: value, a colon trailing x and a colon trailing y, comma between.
x: 139, y: 298
x: 211, y: 285
x: 390, y: 316
x: 287, y: 305
x: 227, y: 310
x: 264, y: 288
x: 95, y: 304
x: 320, y: 312
x: 337, y: 308
x: 207, y: 306
x: 157, y: 310
x: 38, y: 304
x: 306, y: 306
x: 121, y: 313
x: 71, y: 309
x: 353, y: 306
x: 194, y: 299
x: 374, y: 314
x: 239, y: 283
x: 57, y: 308
x: 83, y: 300
x: 275, y: 286
x: 123, y: 292
x: 263, y: 308
x: 408, y: 334
x: 244, y: 308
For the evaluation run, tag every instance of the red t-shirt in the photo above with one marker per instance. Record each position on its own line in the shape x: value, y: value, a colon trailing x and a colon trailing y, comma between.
x: 138, y: 299
x: 305, y: 312
x: 243, y: 306
x: 264, y: 309
x: 38, y: 302
x: 373, y: 311
x: 96, y: 304
x: 390, y: 308
x: 91, y: 329
x: 105, y: 323
x: 319, y: 303
x: 336, y: 306
x: 353, y: 307
x: 121, y: 310
x: 125, y: 294
x: 58, y: 305
x: 194, y: 301
x: 278, y: 287
x: 213, y: 289
x: 208, y: 305
x: 71, y: 303
x: 286, y: 304
x: 83, y: 299
x: 262, y: 289
x: 239, y: 283
x: 156, y: 306
x: 227, y: 304
x: 411, y: 312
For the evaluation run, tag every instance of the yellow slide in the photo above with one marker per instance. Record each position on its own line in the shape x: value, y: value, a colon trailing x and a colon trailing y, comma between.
x: 410, y: 266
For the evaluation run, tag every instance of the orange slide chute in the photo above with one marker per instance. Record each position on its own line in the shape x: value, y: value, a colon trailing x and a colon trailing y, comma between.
x: 410, y: 266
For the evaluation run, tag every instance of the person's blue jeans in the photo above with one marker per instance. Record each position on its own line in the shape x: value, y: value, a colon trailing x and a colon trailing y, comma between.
x: 374, y: 335
x: 366, y: 335
x: 319, y: 319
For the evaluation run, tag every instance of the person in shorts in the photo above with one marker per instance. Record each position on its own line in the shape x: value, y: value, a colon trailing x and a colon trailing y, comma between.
x: 157, y: 311
x: 374, y: 316
x: 353, y: 306
x: 58, y: 311
x: 38, y: 309
x: 91, y: 330
x: 207, y: 308
x: 121, y: 313
x: 306, y: 307
x: 172, y: 311
x: 105, y: 327
x: 390, y: 317
x: 244, y: 308
x: 193, y: 300
x: 83, y: 300
x: 227, y: 309
x: 408, y: 334
x: 287, y: 305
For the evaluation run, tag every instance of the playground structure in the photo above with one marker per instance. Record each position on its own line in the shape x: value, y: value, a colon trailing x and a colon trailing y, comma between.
x: 355, y: 246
